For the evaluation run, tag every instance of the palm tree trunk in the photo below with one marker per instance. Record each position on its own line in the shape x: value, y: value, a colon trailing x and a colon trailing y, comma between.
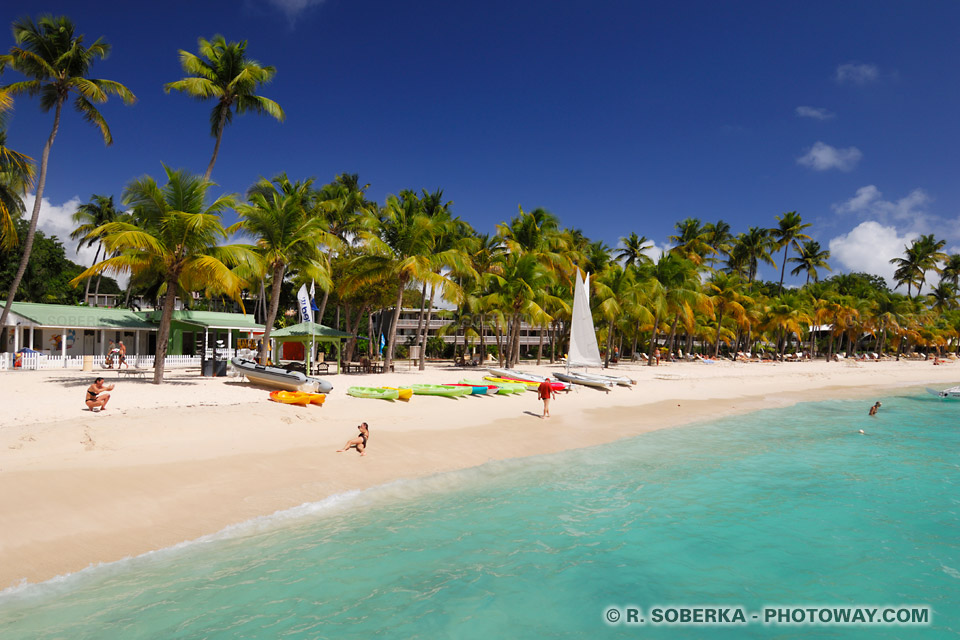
x: 653, y: 340
x: 716, y: 345
x: 423, y: 304
x: 32, y: 230
x: 272, y: 311
x: 323, y: 307
x: 606, y: 357
x: 540, y: 347
x: 163, y: 331
x: 673, y: 333
x: 96, y: 259
x: 216, y: 147
x: 783, y: 268
x: 392, y: 339
x: 426, y: 327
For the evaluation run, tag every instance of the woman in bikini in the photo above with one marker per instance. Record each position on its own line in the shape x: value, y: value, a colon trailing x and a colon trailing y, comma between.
x: 360, y: 442
x: 96, y: 396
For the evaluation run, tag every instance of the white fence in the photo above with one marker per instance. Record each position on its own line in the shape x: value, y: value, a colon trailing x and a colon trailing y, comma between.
x: 36, y: 361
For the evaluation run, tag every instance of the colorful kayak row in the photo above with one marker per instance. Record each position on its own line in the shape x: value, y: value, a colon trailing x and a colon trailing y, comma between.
x: 298, y: 397
x: 455, y: 390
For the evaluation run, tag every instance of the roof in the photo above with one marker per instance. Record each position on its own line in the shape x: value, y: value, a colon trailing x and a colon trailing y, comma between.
x: 307, y: 330
x: 210, y: 319
x: 69, y: 316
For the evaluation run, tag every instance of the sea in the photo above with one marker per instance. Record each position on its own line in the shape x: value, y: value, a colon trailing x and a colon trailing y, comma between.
x: 817, y: 508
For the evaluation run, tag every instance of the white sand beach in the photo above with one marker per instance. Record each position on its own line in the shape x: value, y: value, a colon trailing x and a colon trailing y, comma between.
x: 166, y: 464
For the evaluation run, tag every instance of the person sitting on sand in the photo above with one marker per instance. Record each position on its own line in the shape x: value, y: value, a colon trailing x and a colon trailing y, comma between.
x: 97, y: 397
x: 874, y: 409
x: 360, y: 442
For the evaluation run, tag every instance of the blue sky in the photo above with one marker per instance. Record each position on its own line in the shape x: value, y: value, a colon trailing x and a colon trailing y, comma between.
x: 615, y: 116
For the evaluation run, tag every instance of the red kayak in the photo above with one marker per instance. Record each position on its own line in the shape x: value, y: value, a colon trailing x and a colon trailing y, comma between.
x: 556, y: 386
x: 478, y: 390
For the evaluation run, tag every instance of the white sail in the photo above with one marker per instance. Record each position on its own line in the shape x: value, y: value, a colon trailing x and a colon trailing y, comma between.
x: 584, y: 351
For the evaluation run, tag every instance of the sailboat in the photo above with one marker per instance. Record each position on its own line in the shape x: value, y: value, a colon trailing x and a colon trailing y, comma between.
x: 584, y: 351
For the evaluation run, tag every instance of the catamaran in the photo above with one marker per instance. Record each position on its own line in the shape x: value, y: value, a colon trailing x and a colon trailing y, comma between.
x: 952, y: 392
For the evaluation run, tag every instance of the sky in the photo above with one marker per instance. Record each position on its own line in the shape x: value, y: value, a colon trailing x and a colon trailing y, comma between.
x: 617, y: 117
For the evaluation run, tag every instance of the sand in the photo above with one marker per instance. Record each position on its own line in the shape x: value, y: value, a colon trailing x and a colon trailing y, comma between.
x: 170, y: 463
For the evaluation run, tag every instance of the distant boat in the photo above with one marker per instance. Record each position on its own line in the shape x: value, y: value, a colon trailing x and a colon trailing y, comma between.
x: 586, y: 380
x: 951, y: 393
x: 280, y: 378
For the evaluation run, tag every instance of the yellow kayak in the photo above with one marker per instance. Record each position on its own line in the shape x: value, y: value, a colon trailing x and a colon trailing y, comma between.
x: 301, y: 398
x: 531, y: 386
x: 405, y: 392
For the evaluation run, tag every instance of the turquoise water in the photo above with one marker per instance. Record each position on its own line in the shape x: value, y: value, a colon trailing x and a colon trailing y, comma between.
x: 780, y: 507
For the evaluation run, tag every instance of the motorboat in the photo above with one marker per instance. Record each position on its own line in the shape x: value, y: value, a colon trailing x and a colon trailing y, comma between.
x: 952, y: 393
x: 279, y: 378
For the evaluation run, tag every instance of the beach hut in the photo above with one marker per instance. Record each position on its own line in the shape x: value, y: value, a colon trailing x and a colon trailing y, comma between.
x: 197, y: 332
x: 310, y: 333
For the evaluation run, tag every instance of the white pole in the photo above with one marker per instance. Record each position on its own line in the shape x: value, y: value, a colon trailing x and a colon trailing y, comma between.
x: 31, y: 336
x: 63, y: 344
x: 136, y: 343
x: 16, y: 338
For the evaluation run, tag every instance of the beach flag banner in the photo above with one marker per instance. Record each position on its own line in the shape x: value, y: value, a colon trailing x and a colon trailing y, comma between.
x: 303, y: 302
x: 383, y: 343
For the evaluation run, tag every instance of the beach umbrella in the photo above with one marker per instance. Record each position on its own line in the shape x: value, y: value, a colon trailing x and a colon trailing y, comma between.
x: 27, y: 350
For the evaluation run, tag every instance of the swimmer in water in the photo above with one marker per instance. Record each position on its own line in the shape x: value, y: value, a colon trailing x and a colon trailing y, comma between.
x: 874, y: 409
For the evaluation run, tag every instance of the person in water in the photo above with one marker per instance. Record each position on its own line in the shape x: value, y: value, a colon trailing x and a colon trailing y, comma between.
x: 360, y: 442
x: 874, y: 409
x: 545, y: 392
x: 97, y: 396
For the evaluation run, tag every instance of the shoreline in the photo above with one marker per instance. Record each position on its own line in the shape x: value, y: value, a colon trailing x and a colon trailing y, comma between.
x: 194, y: 456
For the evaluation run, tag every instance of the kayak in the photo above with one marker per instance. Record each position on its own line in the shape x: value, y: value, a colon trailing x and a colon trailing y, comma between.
x: 476, y: 389
x: 439, y: 390
x: 298, y: 397
x: 405, y: 392
x: 520, y: 376
x: 376, y: 393
x: 529, y: 386
x: 503, y: 388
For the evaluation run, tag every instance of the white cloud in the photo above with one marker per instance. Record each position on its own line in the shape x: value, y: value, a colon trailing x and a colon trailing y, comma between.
x: 822, y: 157
x: 57, y: 220
x: 293, y: 8
x: 869, y: 202
x: 857, y: 73
x: 817, y: 113
x: 869, y: 247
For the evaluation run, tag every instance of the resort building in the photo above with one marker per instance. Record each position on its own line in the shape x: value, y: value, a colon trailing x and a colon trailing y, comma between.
x: 407, y: 329
x: 64, y: 330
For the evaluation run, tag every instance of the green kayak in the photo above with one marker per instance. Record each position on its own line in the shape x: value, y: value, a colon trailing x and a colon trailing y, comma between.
x: 377, y: 393
x: 439, y: 390
x: 505, y: 388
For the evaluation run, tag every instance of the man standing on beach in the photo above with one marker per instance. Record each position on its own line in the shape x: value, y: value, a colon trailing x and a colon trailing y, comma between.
x: 545, y: 392
x: 122, y: 355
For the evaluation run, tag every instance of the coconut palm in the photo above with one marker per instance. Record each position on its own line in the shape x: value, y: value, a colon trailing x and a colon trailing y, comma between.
x: 175, y: 234
x: 951, y: 269
x: 397, y: 241
x: 223, y: 71
x: 57, y: 63
x: 672, y: 289
x: 717, y: 235
x: 16, y: 177
x: 811, y: 258
x: 787, y: 234
x: 691, y: 241
x: 286, y: 235
x: 725, y: 292
x: 89, y: 217
x: 632, y: 250
x: 750, y: 249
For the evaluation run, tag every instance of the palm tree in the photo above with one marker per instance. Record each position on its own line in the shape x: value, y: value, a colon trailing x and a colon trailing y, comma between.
x: 277, y: 216
x: 672, y: 288
x: 951, y: 269
x: 222, y: 71
x: 397, y: 239
x: 691, y: 241
x: 717, y: 235
x: 724, y: 291
x: 632, y: 250
x: 788, y: 233
x: 57, y: 63
x: 751, y: 248
x: 16, y: 177
x: 176, y: 234
x: 90, y: 217
x: 811, y: 258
